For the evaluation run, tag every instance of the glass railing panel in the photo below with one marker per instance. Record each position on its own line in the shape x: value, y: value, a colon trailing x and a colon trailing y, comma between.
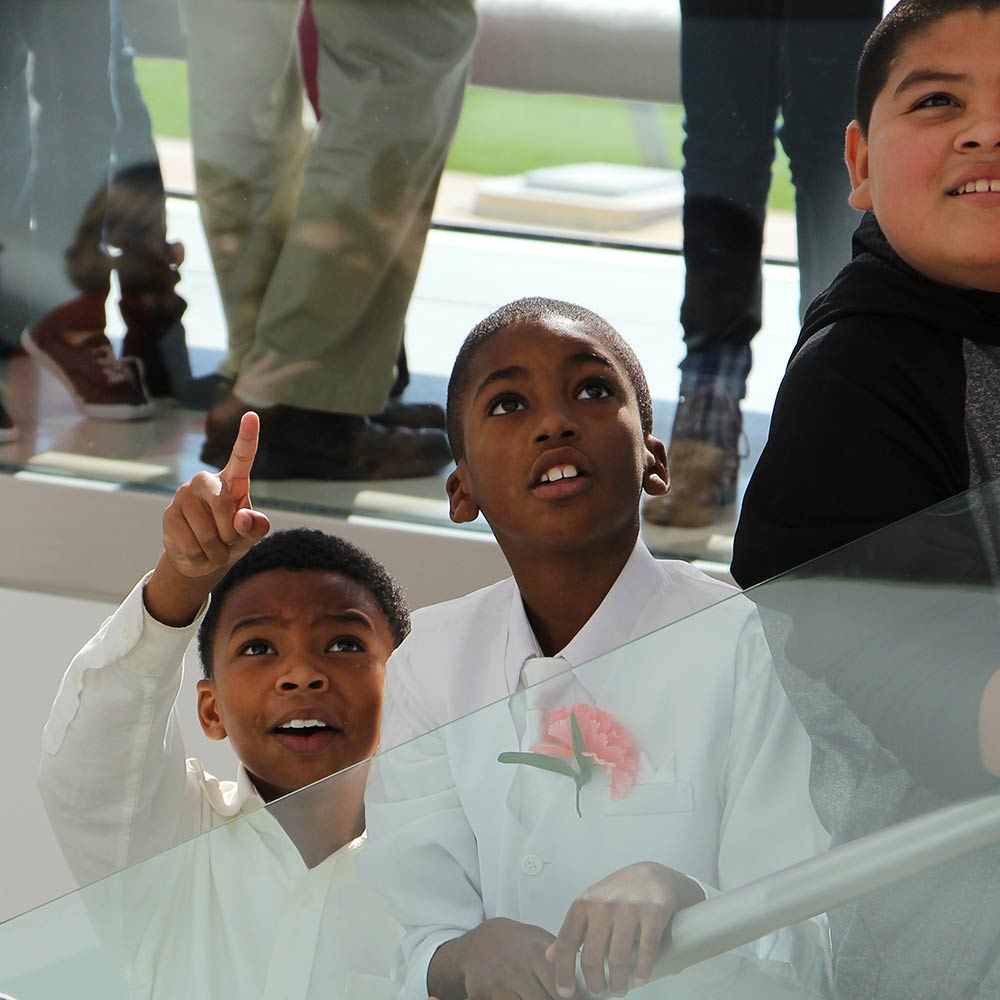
x: 546, y: 146
x: 821, y: 708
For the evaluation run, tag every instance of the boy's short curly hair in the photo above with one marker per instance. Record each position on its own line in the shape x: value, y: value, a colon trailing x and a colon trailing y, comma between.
x: 907, y: 18
x: 307, y: 549
x: 534, y: 310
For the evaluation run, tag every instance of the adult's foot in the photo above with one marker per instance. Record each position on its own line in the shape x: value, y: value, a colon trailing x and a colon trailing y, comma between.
x: 203, y: 392
x: 296, y: 443
x: 70, y: 342
x: 703, y: 460
x: 396, y: 413
x: 154, y: 334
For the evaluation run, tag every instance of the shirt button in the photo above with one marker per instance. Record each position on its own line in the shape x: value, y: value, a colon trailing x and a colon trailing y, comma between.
x: 531, y: 864
x: 304, y: 896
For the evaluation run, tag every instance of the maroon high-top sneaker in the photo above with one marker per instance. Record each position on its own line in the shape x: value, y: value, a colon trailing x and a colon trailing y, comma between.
x: 70, y: 342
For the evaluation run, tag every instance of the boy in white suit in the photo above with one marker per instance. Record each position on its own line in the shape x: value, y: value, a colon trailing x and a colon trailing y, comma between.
x: 502, y: 874
x: 293, y: 631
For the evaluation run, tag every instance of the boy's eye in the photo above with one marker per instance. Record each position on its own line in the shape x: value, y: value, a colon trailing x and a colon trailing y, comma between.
x: 594, y: 388
x: 256, y: 647
x: 505, y: 404
x: 935, y: 101
x: 346, y: 644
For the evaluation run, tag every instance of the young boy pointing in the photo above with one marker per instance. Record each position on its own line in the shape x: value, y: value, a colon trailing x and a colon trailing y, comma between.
x: 294, y: 631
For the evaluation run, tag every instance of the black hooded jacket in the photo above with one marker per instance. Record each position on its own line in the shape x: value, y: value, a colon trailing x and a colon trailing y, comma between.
x: 891, y: 403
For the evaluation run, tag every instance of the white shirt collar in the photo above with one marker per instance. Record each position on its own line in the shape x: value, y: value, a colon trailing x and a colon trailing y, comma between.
x: 608, y: 627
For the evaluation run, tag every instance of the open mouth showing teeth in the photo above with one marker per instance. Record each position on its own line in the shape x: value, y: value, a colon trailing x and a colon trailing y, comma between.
x: 303, y: 727
x: 560, y: 472
x: 980, y: 186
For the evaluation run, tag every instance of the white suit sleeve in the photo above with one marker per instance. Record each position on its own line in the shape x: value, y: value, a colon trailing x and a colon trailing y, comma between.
x: 113, y: 773
x: 421, y: 852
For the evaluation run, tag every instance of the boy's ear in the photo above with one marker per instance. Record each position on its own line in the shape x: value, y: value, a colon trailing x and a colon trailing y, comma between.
x: 461, y: 507
x: 656, y: 476
x: 208, y: 711
x: 856, y: 156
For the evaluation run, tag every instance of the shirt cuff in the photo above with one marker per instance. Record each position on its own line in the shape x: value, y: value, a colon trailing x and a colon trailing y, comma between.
x: 143, y: 644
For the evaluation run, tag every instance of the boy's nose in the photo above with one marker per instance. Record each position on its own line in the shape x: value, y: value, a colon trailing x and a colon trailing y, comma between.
x: 555, y: 423
x: 984, y: 133
x: 303, y: 676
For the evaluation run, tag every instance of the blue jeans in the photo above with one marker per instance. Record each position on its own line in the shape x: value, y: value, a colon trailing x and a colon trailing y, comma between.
x: 744, y: 63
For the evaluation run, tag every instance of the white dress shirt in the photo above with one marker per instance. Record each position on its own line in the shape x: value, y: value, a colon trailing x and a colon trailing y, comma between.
x: 233, y: 913
x: 721, y: 793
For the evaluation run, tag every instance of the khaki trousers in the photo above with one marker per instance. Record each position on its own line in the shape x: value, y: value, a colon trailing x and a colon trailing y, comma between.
x: 316, y: 239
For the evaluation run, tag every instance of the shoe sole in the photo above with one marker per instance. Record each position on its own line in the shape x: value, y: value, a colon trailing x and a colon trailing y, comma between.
x: 99, y: 411
x: 269, y: 466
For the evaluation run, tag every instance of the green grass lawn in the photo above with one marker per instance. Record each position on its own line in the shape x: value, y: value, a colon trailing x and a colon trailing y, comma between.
x: 500, y: 132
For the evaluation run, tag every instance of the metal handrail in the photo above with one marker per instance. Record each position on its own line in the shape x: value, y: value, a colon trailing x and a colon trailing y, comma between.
x: 822, y: 883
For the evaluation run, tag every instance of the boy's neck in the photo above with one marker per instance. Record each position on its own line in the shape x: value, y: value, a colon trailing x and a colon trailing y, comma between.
x: 321, y: 819
x: 561, y: 590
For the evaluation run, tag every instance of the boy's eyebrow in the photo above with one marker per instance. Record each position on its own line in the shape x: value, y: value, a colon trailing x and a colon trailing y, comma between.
x: 587, y: 357
x: 519, y: 371
x: 511, y: 371
x: 921, y: 76
x: 348, y: 616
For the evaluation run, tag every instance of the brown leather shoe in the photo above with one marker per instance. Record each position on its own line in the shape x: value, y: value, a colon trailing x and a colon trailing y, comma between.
x: 396, y: 413
x: 312, y: 444
x: 70, y: 342
x: 703, y: 460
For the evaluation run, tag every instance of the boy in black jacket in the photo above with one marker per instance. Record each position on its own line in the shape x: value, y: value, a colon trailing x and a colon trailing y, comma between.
x: 891, y: 404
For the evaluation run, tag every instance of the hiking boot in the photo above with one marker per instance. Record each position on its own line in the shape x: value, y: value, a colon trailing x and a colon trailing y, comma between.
x: 70, y: 342
x: 703, y: 461
x: 313, y: 444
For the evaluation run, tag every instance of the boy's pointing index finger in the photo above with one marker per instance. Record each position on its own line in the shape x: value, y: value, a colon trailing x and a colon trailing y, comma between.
x: 236, y: 474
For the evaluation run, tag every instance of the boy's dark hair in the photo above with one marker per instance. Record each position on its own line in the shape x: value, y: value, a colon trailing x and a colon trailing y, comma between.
x: 534, y: 310
x: 907, y: 18
x: 307, y: 549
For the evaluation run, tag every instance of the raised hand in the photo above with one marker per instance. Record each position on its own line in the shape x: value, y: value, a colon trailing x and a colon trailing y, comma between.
x: 499, y: 960
x: 622, y: 920
x: 208, y: 526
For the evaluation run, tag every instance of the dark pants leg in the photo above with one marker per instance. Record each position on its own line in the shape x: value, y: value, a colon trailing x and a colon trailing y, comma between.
x: 730, y: 80
x: 822, y: 44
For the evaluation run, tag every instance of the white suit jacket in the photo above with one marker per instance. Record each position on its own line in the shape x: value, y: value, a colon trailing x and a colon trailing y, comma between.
x: 722, y: 792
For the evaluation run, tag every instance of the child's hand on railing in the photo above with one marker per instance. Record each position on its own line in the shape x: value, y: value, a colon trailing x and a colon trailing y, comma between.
x: 208, y: 526
x: 499, y: 960
x: 621, y: 920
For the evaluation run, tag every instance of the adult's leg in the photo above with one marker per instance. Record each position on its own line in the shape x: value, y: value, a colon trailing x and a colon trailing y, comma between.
x: 730, y: 86
x: 821, y: 48
x: 74, y: 129
x: 391, y: 81
x: 729, y: 83
x: 249, y: 144
x: 136, y: 224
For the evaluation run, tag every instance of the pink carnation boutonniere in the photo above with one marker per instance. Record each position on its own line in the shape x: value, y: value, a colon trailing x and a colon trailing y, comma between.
x: 578, y: 738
